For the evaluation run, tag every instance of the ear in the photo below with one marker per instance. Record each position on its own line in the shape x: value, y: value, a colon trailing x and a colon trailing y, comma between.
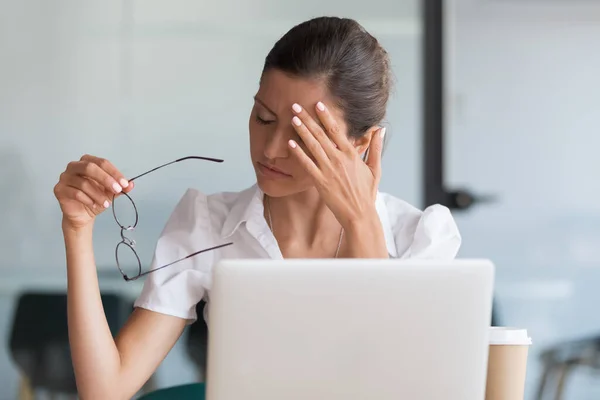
x: 362, y: 143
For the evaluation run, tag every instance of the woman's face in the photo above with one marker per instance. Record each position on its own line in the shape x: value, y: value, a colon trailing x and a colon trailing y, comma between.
x: 277, y: 171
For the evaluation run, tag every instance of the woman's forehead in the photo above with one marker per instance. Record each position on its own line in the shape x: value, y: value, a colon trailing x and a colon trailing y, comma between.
x: 280, y: 90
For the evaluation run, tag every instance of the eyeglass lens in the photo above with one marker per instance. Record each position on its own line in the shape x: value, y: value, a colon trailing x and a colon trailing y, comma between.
x: 126, y: 216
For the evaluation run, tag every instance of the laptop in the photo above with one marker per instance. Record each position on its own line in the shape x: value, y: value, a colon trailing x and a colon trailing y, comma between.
x: 341, y: 329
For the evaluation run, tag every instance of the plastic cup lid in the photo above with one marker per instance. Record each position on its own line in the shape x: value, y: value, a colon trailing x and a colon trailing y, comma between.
x: 509, y: 336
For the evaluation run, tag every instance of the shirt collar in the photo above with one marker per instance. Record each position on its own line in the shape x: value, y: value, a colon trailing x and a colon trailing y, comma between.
x: 249, y: 207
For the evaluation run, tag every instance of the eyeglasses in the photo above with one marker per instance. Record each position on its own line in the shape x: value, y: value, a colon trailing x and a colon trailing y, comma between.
x: 126, y: 247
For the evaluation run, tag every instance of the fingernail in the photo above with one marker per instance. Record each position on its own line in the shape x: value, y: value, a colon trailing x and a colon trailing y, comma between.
x: 106, y: 204
x: 382, y: 133
x: 94, y: 206
x: 296, y: 121
x: 297, y: 108
x: 124, y: 183
x: 117, y: 187
x: 292, y: 144
x: 321, y: 106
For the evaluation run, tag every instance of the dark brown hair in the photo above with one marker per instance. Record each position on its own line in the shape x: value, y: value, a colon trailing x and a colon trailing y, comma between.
x: 351, y: 62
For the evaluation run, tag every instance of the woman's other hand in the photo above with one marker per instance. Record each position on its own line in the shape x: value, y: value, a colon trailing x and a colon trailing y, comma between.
x: 86, y: 188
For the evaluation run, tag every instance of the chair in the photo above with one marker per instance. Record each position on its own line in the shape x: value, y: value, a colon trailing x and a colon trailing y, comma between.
x: 560, y: 360
x: 39, y: 341
x: 192, y: 391
x: 197, y: 342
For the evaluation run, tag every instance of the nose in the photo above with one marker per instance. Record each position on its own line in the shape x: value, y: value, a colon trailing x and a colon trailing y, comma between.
x: 276, y: 145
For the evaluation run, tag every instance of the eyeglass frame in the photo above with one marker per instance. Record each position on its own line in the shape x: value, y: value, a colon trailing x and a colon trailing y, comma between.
x: 131, y: 242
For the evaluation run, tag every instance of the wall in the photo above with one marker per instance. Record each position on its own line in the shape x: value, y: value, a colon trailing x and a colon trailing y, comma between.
x: 524, y: 93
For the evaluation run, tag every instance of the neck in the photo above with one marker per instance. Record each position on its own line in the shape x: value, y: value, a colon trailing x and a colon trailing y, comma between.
x: 303, y: 216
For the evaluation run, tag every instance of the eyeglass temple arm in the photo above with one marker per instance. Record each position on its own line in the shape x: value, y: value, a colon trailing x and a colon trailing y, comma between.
x: 181, y: 259
x: 173, y: 162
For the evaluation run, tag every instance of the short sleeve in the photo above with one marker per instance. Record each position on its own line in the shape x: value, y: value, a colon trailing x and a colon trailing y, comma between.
x: 175, y: 290
x: 436, y: 235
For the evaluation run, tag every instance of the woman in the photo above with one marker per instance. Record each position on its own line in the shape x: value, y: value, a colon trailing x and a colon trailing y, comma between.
x: 322, y: 96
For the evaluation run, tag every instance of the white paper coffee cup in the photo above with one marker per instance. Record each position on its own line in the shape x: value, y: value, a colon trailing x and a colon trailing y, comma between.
x: 507, y: 363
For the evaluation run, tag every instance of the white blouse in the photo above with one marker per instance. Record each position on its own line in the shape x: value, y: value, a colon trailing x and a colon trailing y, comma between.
x: 200, y: 221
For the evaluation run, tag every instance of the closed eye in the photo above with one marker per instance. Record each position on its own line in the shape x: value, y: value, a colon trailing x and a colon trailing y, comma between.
x: 263, y: 121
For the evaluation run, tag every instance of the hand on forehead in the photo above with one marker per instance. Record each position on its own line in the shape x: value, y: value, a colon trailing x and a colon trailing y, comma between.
x: 279, y: 91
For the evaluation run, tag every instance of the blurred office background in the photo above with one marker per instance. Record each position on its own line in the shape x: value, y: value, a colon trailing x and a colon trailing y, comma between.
x: 145, y: 82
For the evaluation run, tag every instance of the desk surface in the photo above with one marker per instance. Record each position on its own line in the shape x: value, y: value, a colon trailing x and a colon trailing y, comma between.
x: 13, y: 281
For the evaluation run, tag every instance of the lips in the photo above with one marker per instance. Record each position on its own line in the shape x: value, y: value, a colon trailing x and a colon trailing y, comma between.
x: 271, y: 170
x: 274, y: 168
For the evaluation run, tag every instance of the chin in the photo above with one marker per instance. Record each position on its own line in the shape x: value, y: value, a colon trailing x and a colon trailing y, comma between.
x: 279, y: 188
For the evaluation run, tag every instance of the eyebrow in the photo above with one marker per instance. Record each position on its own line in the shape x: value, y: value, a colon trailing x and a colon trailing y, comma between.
x: 264, y: 105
